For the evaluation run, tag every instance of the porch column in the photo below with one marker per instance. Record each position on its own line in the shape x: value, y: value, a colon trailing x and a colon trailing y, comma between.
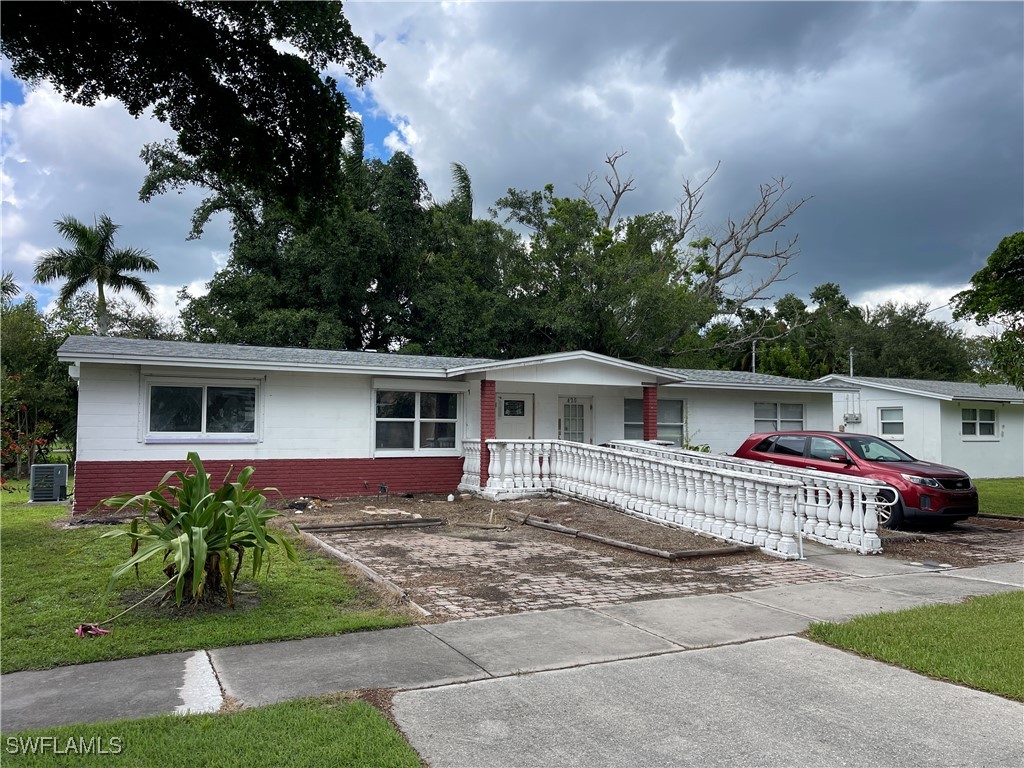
x: 650, y: 411
x: 487, y: 428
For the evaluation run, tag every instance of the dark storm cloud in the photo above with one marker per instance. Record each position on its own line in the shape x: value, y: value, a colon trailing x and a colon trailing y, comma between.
x: 903, y: 121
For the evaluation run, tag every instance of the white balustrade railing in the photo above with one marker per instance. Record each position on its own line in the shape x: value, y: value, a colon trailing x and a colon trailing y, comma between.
x: 471, y: 464
x: 728, y: 503
x: 834, y: 509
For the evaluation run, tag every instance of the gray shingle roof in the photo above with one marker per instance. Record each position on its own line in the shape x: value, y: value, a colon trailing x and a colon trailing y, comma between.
x: 109, y: 346
x: 958, y: 390
x: 745, y: 378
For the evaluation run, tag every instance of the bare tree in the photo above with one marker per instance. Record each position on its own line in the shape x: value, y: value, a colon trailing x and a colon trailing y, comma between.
x: 605, y: 204
x: 720, y: 256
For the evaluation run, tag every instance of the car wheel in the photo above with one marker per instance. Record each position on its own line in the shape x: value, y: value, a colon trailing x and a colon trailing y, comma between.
x: 890, y: 516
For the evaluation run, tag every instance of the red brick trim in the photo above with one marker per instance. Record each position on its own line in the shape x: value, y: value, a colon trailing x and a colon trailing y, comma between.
x: 650, y: 411
x: 488, y: 427
x: 327, y: 478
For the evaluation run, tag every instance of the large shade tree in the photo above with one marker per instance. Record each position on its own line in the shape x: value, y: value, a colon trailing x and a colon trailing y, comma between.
x: 996, y: 295
x: 92, y: 258
x: 245, y: 108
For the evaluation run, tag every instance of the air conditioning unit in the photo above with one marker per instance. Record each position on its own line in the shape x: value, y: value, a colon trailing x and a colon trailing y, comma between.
x: 851, y: 418
x: 48, y: 482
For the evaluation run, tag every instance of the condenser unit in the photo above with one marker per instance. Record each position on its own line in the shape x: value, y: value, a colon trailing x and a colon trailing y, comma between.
x: 48, y: 482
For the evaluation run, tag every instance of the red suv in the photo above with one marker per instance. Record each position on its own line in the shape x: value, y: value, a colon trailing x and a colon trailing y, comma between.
x: 926, y: 491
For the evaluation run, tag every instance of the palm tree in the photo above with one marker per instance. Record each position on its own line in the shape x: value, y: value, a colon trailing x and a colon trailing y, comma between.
x: 93, y: 259
x: 8, y: 288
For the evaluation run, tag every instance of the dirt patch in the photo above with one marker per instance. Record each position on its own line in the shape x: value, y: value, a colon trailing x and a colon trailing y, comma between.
x: 470, y: 518
x: 967, y: 544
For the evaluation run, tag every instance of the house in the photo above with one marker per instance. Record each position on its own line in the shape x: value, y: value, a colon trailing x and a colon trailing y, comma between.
x: 340, y: 423
x: 976, y: 428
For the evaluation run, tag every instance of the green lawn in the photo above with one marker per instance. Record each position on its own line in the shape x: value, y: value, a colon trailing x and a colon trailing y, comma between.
x: 978, y: 643
x: 1001, y: 496
x: 329, y: 731
x: 53, y: 579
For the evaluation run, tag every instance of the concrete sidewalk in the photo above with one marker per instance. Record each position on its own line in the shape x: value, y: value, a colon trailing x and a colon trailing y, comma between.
x: 644, y: 683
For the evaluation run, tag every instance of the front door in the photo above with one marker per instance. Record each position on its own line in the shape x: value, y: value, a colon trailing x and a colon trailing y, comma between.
x: 514, y: 417
x: 574, y: 419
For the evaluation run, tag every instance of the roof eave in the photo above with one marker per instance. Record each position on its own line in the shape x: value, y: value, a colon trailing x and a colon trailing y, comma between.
x: 974, y: 398
x: 759, y: 387
x: 661, y: 375
x: 250, y: 365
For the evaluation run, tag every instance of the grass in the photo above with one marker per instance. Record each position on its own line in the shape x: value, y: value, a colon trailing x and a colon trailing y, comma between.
x: 978, y: 643
x: 54, y: 578
x: 1001, y: 496
x: 330, y: 731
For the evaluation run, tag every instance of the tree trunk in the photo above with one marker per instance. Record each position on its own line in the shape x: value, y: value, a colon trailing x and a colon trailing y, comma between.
x: 102, y: 317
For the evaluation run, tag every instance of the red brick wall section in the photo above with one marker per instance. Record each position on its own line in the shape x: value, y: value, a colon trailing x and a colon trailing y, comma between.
x: 488, y: 429
x: 650, y: 411
x: 327, y: 478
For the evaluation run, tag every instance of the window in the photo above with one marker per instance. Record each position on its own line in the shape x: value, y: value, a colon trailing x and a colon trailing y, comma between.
x: 671, y: 420
x: 824, y: 449
x: 978, y: 422
x: 770, y: 417
x: 790, y: 445
x: 195, y: 411
x: 413, y: 421
x: 891, y: 421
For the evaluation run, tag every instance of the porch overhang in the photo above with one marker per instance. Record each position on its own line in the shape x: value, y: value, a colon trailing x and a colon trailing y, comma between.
x: 577, y: 367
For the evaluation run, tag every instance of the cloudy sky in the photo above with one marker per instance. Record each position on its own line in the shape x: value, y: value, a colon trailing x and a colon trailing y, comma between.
x: 904, y: 124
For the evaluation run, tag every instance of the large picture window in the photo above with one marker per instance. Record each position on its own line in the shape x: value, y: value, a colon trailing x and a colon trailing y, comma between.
x: 193, y: 411
x: 671, y: 420
x: 978, y: 422
x: 773, y: 417
x: 414, y: 421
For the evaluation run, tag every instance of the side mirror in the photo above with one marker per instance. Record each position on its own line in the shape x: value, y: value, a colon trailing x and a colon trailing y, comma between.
x: 839, y: 458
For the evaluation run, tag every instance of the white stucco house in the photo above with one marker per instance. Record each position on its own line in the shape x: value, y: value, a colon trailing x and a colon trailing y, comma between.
x: 976, y: 428
x: 340, y: 423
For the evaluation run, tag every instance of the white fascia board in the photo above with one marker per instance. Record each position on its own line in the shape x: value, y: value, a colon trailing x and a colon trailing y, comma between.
x: 979, y: 398
x: 660, y: 375
x: 255, y: 365
x: 740, y: 386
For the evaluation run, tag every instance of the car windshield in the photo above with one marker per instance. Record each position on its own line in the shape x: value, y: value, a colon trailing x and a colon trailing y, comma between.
x: 873, y: 449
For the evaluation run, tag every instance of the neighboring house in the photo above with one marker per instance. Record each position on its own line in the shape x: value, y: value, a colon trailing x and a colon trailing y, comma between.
x: 976, y: 428
x: 335, y: 423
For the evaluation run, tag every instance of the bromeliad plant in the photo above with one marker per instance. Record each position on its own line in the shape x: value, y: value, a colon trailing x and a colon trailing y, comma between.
x: 203, y: 532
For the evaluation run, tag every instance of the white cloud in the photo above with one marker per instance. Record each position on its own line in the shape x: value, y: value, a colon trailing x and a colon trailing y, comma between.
x: 63, y: 159
x: 937, y: 297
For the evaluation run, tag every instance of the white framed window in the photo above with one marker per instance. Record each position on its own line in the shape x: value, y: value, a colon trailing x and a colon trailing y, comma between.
x: 671, y: 420
x: 978, y: 422
x: 890, y: 422
x: 415, y: 421
x: 773, y: 417
x: 183, y: 410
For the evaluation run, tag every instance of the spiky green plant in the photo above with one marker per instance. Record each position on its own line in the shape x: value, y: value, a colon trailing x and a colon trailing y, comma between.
x: 200, y: 532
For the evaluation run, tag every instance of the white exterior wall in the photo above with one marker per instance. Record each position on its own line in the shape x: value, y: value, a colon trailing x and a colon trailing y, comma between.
x: 1001, y: 456
x: 720, y: 418
x: 723, y: 419
x: 932, y: 431
x: 920, y: 417
x: 299, y: 415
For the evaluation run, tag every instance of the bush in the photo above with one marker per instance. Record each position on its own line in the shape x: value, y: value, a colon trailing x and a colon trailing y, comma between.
x: 204, y: 533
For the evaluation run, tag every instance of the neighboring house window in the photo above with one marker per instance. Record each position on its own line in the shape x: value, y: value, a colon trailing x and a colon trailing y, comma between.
x: 891, y: 421
x: 410, y: 421
x: 671, y: 420
x: 978, y: 422
x: 213, y: 411
x: 771, y: 417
